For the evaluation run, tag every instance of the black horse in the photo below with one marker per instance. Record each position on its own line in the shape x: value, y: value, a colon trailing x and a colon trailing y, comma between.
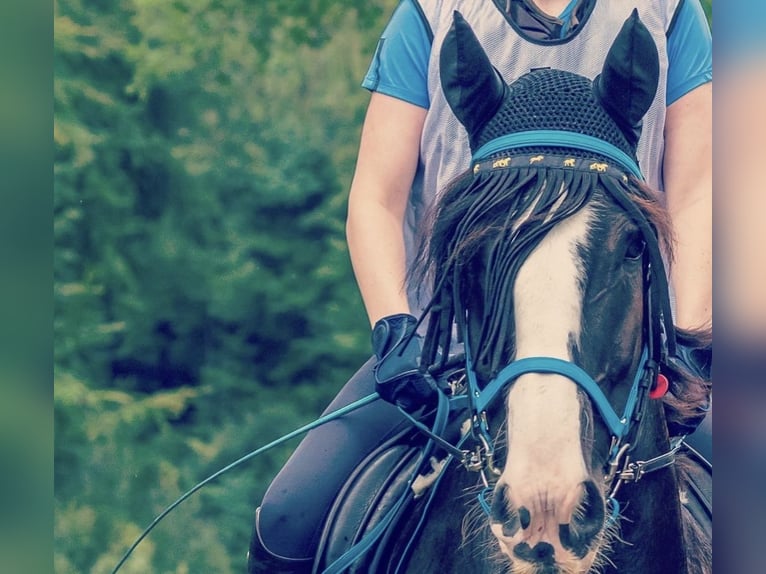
x: 546, y: 261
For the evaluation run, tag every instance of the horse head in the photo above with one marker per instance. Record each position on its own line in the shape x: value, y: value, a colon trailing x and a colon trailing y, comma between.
x: 547, y: 256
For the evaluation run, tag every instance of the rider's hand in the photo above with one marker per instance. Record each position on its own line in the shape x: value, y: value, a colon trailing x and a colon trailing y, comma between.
x: 697, y: 361
x: 398, y: 378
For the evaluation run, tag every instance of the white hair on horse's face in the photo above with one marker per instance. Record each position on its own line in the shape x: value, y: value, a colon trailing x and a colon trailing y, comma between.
x: 547, y: 292
x: 545, y: 471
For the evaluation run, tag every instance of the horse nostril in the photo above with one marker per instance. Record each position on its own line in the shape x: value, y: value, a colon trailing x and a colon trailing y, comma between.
x: 524, y: 517
x: 541, y: 553
x: 587, y: 522
x: 501, y: 513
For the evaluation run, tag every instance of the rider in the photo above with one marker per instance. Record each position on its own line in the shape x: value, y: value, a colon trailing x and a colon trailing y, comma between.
x: 412, y: 146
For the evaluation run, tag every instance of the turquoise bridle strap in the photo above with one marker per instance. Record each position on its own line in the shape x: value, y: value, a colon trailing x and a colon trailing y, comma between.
x: 558, y: 138
x: 619, y: 426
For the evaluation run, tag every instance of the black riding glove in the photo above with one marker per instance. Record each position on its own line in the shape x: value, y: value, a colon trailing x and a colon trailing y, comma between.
x: 398, y: 378
x: 698, y: 361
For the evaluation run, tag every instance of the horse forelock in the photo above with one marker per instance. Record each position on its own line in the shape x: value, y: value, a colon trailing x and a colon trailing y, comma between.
x: 488, y: 225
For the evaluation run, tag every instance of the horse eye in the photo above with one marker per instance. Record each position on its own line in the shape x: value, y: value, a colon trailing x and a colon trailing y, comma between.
x: 635, y: 247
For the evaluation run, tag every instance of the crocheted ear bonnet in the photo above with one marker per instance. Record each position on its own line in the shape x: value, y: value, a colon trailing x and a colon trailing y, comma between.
x: 549, y: 110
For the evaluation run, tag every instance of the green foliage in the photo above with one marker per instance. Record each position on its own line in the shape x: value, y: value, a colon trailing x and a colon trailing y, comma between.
x: 204, y: 302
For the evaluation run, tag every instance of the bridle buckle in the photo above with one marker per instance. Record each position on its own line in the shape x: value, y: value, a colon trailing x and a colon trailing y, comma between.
x: 482, y: 458
x: 614, y: 462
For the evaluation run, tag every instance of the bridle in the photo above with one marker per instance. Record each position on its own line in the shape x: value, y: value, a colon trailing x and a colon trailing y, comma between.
x: 648, y: 381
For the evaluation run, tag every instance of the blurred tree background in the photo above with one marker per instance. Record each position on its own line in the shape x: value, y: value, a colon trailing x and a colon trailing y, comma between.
x: 204, y: 301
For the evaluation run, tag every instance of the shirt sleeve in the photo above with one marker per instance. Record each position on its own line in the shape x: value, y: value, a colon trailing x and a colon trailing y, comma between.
x: 399, y: 67
x: 690, y: 51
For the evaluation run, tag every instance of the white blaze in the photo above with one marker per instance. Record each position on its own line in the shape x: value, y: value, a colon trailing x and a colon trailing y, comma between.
x: 545, y: 464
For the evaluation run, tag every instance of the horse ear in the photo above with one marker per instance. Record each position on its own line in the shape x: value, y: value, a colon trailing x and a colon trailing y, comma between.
x: 628, y: 81
x: 473, y: 88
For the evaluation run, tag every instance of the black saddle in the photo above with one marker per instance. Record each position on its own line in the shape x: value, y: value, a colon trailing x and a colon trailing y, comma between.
x: 377, y: 491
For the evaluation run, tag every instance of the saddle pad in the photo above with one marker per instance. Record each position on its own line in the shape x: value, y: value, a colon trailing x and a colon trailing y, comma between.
x: 368, y: 495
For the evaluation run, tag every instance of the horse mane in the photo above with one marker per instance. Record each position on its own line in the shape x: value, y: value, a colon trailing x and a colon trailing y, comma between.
x: 503, y: 215
x: 687, y: 401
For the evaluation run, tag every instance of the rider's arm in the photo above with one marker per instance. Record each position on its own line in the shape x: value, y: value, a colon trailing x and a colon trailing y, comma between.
x: 388, y: 158
x: 687, y: 166
x: 688, y: 179
x: 387, y: 161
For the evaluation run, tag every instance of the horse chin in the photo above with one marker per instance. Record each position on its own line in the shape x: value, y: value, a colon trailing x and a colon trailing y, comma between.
x: 567, y: 566
x: 527, y: 568
x: 564, y: 562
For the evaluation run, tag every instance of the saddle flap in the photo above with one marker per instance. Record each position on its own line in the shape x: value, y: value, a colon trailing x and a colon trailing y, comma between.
x: 368, y: 495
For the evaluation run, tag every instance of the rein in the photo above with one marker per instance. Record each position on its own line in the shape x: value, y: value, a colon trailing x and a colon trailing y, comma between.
x: 297, y: 432
x: 367, y: 543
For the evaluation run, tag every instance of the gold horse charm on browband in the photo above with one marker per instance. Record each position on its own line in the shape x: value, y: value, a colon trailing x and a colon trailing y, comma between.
x: 599, y: 167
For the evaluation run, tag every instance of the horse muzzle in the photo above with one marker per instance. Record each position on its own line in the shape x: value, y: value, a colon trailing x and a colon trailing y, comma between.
x: 545, y: 533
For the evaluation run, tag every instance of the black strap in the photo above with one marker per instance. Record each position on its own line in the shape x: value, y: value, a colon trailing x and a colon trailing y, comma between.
x: 659, y: 280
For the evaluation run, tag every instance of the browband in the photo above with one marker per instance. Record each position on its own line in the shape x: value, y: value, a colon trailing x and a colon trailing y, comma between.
x: 558, y: 138
x: 512, y: 161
